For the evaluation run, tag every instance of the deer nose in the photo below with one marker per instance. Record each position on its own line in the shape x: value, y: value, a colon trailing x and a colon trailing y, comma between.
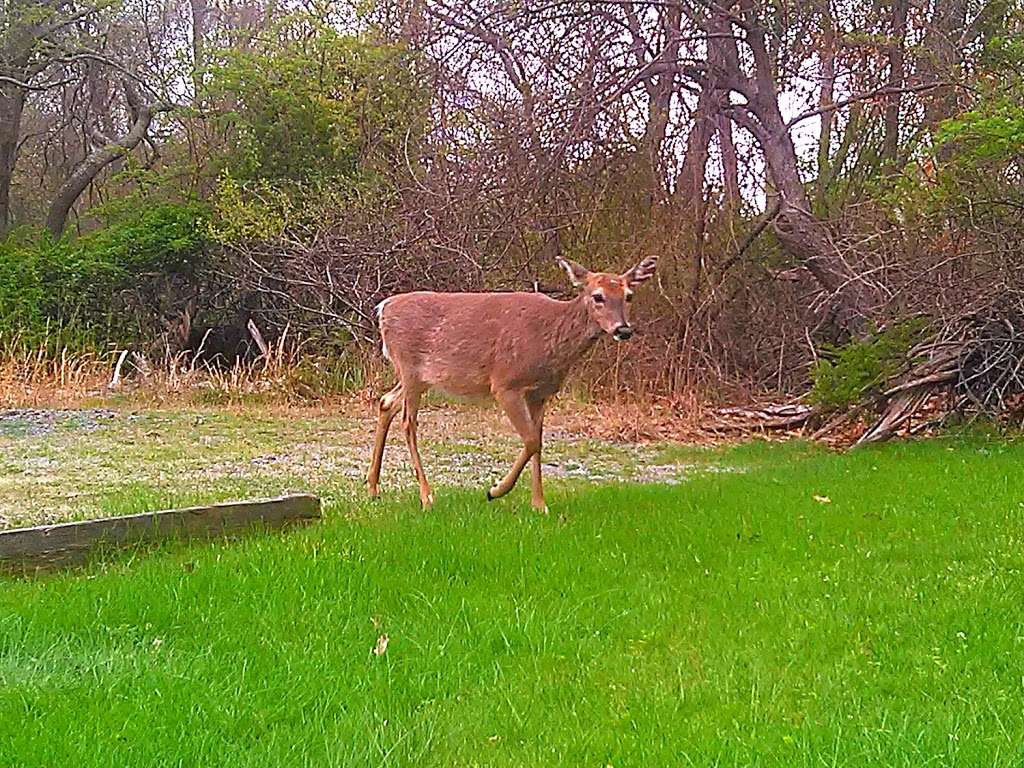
x: 622, y: 333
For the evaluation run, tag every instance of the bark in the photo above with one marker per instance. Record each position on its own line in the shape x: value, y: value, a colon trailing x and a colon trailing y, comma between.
x: 200, y: 14
x: 806, y: 237
x: 940, y: 59
x: 23, y: 58
x: 12, y: 104
x: 689, y: 193
x: 653, y: 140
x: 897, y: 77
x: 803, y: 235
x: 108, y: 151
x: 826, y: 90
x: 659, y: 85
x: 707, y: 122
x: 661, y: 88
x: 800, y: 232
x: 15, y: 52
x: 730, y: 162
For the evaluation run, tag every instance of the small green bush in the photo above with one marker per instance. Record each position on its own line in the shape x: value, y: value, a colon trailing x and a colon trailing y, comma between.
x: 847, y: 374
x: 24, y: 299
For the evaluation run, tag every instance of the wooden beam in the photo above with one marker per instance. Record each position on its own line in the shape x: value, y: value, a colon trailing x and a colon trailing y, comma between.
x: 46, y: 547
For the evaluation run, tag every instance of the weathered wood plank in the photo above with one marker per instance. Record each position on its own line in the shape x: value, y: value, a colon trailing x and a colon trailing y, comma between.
x: 68, y: 544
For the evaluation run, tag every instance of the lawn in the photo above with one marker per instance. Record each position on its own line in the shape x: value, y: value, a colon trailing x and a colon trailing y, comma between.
x: 809, y: 609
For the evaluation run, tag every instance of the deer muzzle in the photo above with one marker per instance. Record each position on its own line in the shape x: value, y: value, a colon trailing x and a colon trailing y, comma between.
x: 622, y: 333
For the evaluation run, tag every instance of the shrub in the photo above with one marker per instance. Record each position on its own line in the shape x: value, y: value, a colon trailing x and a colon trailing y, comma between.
x: 309, y: 102
x: 100, y: 287
x: 849, y: 373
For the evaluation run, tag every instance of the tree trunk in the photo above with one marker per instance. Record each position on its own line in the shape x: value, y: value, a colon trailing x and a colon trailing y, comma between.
x: 827, y: 58
x: 660, y: 86
x: 660, y: 95
x: 730, y: 162
x: 12, y: 104
x: 805, y: 236
x: 96, y: 161
x: 707, y: 121
x: 689, y: 193
x: 200, y: 13
x: 897, y: 76
x: 940, y: 59
x: 801, y: 233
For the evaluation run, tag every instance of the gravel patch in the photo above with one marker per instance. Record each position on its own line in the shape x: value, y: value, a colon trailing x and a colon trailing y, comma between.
x: 84, y: 463
x: 31, y: 422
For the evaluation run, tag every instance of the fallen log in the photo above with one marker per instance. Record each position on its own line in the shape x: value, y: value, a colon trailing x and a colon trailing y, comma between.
x: 47, y: 547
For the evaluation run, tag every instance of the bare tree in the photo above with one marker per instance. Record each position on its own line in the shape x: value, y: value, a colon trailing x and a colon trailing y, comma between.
x: 897, y: 77
x: 107, y: 150
x: 33, y: 44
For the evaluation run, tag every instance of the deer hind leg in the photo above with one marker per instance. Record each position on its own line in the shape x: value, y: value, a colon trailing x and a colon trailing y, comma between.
x: 410, y: 408
x: 387, y: 410
x: 519, y: 414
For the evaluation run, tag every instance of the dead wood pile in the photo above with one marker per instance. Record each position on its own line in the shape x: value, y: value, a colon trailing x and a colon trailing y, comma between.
x: 969, y: 366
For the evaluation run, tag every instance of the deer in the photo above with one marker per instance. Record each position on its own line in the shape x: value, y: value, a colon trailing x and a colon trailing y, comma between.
x: 514, y: 347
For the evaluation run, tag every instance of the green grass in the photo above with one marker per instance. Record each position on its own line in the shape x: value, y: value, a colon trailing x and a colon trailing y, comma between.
x: 733, y: 620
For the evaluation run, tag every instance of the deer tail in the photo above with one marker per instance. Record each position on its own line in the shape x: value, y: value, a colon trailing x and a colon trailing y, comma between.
x: 380, y: 326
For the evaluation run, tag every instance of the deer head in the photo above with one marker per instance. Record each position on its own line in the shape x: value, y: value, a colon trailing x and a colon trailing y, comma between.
x: 606, y: 296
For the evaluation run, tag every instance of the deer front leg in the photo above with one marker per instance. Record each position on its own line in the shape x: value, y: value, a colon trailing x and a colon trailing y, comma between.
x: 515, y: 406
x: 388, y: 409
x: 409, y: 410
x: 537, y: 489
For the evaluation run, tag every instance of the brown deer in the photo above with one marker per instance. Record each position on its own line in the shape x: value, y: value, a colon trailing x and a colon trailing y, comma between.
x: 516, y: 347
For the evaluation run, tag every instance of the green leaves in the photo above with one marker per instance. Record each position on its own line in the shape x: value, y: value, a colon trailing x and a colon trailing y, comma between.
x: 847, y: 374
x: 993, y: 132
x: 311, y: 103
x: 90, y: 286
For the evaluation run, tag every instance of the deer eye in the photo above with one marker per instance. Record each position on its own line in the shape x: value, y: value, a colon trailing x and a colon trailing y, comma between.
x: 598, y: 298
x: 629, y: 297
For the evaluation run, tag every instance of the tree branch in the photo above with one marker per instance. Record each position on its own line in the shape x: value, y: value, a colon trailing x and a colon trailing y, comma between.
x: 99, y: 158
x: 882, y: 90
x: 27, y: 86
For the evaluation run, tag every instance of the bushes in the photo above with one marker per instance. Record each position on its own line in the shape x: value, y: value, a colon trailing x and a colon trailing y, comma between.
x: 102, y: 287
x: 23, y: 296
x: 848, y: 374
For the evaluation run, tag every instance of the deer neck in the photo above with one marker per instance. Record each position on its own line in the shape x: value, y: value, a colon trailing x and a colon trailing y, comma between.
x: 573, y: 333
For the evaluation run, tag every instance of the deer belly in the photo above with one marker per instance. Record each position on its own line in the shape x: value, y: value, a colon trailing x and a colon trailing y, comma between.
x: 461, y: 381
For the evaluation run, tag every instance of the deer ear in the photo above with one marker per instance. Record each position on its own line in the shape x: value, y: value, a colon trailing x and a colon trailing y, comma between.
x: 642, y: 271
x: 577, y: 274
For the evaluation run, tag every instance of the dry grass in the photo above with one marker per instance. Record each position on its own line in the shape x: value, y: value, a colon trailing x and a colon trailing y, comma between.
x: 283, y: 382
x: 39, y: 378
